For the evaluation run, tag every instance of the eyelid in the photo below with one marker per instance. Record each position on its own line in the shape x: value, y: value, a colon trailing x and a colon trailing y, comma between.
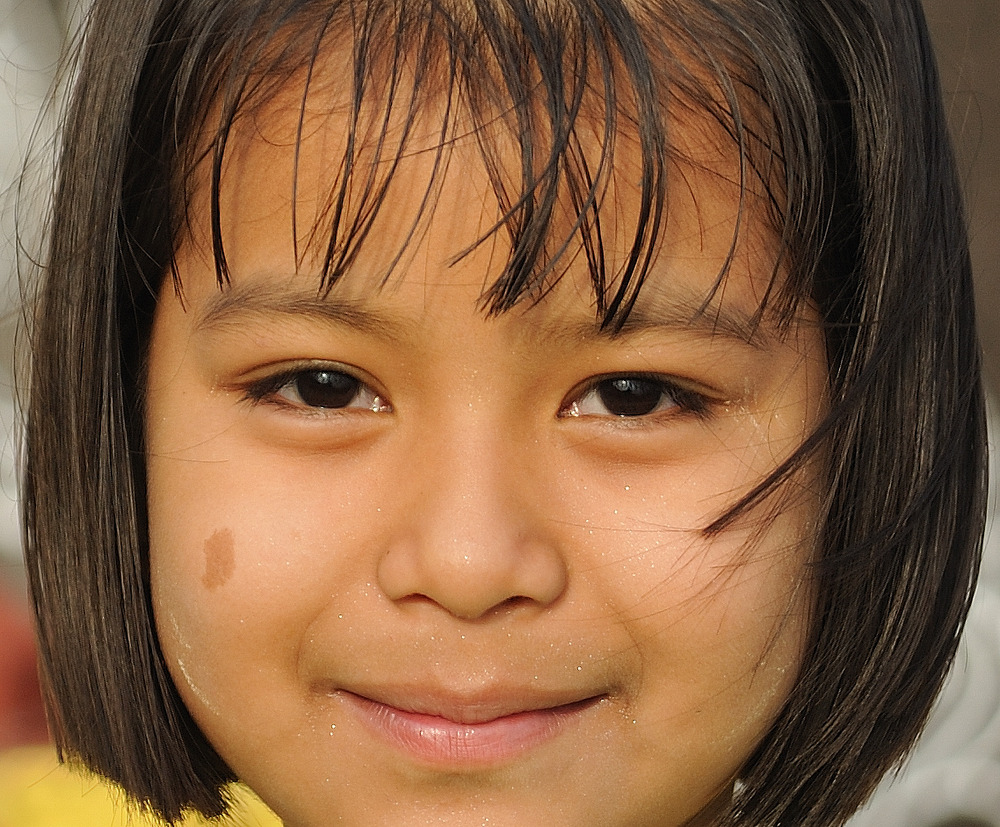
x: 266, y: 387
x: 688, y: 400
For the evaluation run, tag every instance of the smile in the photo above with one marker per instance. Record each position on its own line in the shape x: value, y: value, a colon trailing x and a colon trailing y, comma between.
x: 463, y: 734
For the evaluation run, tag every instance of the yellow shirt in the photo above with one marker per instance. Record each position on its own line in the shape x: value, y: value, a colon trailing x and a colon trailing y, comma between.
x: 36, y: 791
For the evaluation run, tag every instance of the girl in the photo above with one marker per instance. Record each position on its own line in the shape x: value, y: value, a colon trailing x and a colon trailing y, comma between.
x: 503, y: 412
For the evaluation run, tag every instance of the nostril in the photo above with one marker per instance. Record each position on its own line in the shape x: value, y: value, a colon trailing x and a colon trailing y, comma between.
x: 513, y: 603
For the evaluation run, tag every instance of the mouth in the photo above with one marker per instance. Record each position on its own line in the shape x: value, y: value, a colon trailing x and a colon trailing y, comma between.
x: 466, y: 733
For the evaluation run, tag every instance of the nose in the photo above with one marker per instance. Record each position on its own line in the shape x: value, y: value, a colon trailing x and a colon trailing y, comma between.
x: 472, y: 541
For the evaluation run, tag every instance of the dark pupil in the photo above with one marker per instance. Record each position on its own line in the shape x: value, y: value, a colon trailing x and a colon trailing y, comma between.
x: 327, y: 389
x: 630, y: 396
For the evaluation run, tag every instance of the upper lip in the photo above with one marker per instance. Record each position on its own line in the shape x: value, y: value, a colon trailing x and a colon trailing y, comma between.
x: 471, y: 707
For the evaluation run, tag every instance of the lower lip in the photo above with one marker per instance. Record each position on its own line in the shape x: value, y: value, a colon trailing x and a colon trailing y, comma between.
x: 440, y: 741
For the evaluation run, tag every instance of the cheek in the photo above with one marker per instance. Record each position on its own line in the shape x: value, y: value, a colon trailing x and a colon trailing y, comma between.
x: 721, y: 634
x: 244, y: 558
x: 717, y: 671
x: 718, y: 621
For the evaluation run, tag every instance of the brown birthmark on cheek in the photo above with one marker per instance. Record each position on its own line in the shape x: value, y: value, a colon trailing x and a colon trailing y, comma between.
x: 220, y: 559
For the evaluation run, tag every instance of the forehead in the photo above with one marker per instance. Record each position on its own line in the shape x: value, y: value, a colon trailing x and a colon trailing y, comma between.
x: 309, y: 184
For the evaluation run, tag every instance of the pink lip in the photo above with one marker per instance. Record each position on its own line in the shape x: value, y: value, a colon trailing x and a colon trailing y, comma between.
x: 471, y: 735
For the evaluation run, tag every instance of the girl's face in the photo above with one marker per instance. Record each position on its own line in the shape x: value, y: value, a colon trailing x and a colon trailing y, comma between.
x: 414, y: 565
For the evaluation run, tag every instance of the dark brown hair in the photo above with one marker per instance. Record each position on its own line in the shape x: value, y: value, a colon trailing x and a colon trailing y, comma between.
x: 832, y: 105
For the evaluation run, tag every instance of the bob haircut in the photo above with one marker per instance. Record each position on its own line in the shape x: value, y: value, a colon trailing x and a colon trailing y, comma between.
x: 832, y: 107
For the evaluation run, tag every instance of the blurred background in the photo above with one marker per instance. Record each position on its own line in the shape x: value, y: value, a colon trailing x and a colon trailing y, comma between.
x: 953, y: 779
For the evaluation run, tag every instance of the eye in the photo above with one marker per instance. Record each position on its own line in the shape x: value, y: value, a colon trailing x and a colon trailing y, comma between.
x: 633, y: 396
x: 326, y: 389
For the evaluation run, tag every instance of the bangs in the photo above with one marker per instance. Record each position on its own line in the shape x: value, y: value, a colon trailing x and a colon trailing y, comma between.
x: 548, y: 91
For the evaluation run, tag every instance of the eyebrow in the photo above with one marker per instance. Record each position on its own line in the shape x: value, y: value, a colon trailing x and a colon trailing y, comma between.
x: 711, y: 321
x: 238, y: 301
x: 676, y: 309
x: 657, y: 310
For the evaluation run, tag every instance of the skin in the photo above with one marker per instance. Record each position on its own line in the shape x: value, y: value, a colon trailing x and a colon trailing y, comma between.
x: 475, y: 533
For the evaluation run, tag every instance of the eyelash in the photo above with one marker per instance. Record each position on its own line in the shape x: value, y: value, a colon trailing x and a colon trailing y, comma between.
x: 644, y: 395
x: 338, y: 386
x: 636, y: 396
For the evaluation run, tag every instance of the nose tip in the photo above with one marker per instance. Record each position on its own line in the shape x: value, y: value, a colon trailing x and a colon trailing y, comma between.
x: 471, y: 581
